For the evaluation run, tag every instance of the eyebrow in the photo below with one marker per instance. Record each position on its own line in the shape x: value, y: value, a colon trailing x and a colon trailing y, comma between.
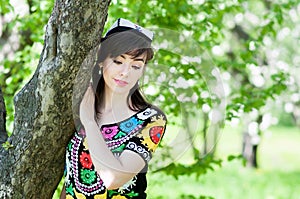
x: 135, y: 59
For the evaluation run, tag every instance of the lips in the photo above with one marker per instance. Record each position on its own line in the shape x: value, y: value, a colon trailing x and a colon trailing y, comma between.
x: 120, y: 82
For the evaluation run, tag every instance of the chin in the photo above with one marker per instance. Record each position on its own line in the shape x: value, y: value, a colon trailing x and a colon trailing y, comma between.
x: 121, y: 91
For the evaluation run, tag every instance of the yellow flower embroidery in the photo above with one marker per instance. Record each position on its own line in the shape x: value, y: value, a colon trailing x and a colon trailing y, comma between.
x: 118, y: 197
x: 69, y: 197
x: 101, y: 196
x: 156, y: 122
x: 79, y: 195
x: 85, y: 143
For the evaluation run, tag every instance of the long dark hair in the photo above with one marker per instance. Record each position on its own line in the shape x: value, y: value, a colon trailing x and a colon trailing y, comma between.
x: 130, y: 42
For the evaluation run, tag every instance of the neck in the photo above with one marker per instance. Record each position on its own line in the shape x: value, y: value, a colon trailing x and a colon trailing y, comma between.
x: 114, y: 102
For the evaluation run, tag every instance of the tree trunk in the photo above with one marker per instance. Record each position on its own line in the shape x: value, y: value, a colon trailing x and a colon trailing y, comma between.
x: 3, y: 134
x: 251, y: 142
x: 43, y: 123
x: 250, y: 150
x: 205, y: 128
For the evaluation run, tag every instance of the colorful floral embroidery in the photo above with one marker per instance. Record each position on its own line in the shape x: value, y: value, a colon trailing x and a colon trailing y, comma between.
x: 119, y: 149
x: 156, y: 133
x: 85, y: 160
x: 75, y: 177
x: 132, y: 194
x: 79, y: 195
x: 68, y: 169
x: 87, y: 176
x: 140, y: 150
x: 85, y: 144
x: 146, y: 114
x: 120, y: 134
x: 70, y: 146
x: 109, y: 132
x: 126, y: 187
x: 151, y: 141
x: 69, y: 190
x: 141, y: 133
x: 81, y: 132
x: 129, y: 125
x: 119, y: 197
x: 69, y: 197
x: 101, y: 196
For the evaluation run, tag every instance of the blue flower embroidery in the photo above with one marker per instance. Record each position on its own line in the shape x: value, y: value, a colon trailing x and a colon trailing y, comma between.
x: 128, y: 125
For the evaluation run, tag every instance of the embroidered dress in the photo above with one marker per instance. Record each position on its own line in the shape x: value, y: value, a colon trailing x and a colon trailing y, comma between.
x: 141, y: 133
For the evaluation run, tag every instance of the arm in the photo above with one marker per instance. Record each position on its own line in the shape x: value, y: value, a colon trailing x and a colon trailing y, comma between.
x: 63, y: 193
x: 114, y: 172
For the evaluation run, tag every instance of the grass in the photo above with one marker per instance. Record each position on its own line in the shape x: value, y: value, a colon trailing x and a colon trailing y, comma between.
x: 232, y: 181
x: 277, y: 178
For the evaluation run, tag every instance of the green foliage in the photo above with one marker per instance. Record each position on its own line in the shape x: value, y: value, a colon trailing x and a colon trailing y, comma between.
x: 6, y: 145
x: 5, y: 7
x: 237, y: 157
x: 200, y: 167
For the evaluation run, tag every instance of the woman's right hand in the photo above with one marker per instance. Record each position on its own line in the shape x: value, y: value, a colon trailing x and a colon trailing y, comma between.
x: 87, y: 107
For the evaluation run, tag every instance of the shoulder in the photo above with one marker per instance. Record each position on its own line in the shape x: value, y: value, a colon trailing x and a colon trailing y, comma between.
x: 157, y: 109
x: 153, y: 113
x: 159, y: 113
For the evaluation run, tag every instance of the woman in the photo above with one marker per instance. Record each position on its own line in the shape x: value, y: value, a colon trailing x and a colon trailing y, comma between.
x: 109, y: 153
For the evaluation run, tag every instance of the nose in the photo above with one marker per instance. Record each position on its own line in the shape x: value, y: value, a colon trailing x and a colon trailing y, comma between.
x: 125, y: 69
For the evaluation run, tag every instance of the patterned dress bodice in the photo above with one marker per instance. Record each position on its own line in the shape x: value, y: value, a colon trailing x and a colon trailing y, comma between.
x: 141, y: 133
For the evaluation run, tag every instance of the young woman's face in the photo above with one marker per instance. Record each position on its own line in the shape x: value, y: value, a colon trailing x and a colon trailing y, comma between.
x: 122, y: 72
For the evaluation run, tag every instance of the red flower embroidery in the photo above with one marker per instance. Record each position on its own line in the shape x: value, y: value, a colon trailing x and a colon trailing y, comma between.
x: 156, y: 133
x: 85, y: 160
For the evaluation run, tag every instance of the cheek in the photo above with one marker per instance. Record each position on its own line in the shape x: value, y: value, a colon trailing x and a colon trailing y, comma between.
x: 138, y: 74
x: 109, y: 70
x: 135, y: 78
x: 106, y: 74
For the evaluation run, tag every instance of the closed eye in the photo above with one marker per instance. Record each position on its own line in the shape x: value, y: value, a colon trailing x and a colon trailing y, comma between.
x: 117, y: 62
x: 136, y: 67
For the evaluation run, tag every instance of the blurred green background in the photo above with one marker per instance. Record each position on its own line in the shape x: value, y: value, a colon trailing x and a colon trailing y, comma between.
x: 226, y: 73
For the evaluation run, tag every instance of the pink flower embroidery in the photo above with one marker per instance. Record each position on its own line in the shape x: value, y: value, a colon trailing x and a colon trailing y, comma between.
x: 81, y: 132
x: 109, y: 132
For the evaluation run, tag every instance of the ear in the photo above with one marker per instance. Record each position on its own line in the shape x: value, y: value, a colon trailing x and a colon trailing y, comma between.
x: 100, y: 69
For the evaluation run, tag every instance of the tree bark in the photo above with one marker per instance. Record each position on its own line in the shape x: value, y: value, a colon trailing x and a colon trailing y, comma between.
x: 249, y: 150
x: 250, y: 145
x: 43, y: 123
x: 3, y: 133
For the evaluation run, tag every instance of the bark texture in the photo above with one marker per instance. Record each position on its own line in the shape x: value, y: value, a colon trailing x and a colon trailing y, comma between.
x: 43, y: 124
x: 3, y: 134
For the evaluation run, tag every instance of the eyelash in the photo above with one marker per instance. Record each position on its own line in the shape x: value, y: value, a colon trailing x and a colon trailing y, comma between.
x: 117, y: 62
x: 136, y: 67
x: 133, y: 66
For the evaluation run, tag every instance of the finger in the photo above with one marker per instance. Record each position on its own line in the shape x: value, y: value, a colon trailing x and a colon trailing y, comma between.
x: 89, y: 90
x: 89, y: 95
